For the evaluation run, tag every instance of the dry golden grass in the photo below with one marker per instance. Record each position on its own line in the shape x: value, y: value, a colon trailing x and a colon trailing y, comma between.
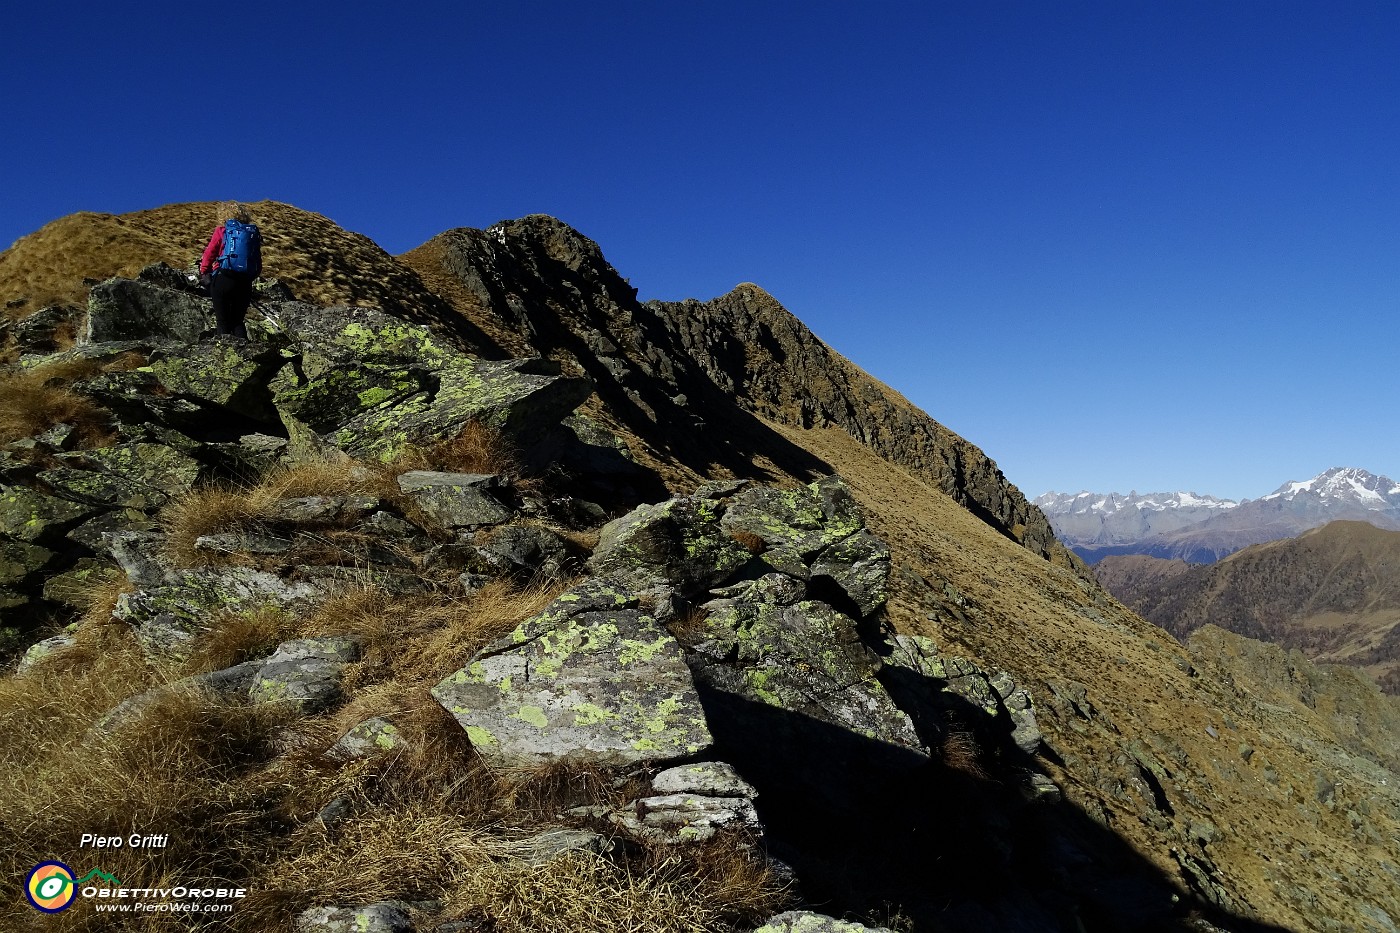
x: 748, y: 540
x: 240, y: 788
x: 214, y: 509
x: 321, y: 262
x: 182, y: 765
x: 543, y: 791
x: 689, y: 627
x: 580, y: 891
x: 960, y: 752
x: 235, y: 637
x: 37, y: 400
x: 421, y: 639
x: 477, y: 448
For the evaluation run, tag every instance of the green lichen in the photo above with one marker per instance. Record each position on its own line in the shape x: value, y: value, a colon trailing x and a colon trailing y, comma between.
x: 757, y: 680
x: 664, y: 711
x: 387, y: 737
x: 479, y: 737
x: 534, y: 715
x: 633, y: 650
x: 268, y: 689
x: 588, y: 714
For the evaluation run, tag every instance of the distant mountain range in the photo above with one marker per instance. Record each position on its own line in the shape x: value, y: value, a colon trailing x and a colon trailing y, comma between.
x: 1201, y: 529
x: 1332, y: 592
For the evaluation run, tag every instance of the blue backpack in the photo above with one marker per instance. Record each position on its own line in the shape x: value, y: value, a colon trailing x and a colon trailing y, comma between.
x: 242, y: 248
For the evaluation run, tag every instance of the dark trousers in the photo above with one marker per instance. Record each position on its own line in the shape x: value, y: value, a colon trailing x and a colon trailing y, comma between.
x: 232, y: 292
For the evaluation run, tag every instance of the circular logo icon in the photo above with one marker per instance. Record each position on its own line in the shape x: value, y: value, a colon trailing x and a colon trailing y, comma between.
x: 50, y: 887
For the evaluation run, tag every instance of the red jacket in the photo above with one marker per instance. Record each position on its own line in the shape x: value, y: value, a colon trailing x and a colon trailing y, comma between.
x: 209, y: 261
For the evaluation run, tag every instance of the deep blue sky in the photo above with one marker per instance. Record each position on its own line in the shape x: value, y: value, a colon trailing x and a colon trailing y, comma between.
x: 1116, y: 244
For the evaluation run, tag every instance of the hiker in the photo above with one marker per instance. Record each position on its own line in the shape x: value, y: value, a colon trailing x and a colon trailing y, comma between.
x: 234, y: 259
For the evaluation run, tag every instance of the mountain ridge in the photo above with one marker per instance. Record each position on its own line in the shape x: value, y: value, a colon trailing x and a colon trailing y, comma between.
x: 1203, y: 529
x: 1186, y: 804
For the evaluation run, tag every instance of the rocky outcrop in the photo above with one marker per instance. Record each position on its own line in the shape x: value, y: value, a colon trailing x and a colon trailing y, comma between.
x: 750, y: 346
x: 592, y: 677
x: 673, y: 366
x: 313, y: 383
x: 726, y: 675
x: 805, y: 921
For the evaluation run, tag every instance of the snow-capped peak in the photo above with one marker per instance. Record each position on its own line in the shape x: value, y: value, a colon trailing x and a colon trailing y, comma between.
x: 1110, y: 502
x: 1344, y: 484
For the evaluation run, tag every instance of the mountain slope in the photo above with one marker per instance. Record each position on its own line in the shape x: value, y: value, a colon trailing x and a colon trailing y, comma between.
x: 318, y: 260
x: 1187, y: 791
x: 666, y: 371
x: 1333, y: 593
x: 1139, y: 741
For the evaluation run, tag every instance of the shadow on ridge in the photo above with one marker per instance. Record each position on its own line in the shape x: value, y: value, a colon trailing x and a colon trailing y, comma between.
x: 640, y: 373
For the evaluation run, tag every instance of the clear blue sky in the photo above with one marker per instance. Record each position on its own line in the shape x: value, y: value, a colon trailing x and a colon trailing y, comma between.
x: 1115, y: 244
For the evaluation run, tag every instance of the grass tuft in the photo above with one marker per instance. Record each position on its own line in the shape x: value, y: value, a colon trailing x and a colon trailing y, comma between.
x: 216, y: 509
x: 421, y: 639
x: 960, y: 752
x: 475, y: 449
x: 39, y: 399
x: 748, y: 541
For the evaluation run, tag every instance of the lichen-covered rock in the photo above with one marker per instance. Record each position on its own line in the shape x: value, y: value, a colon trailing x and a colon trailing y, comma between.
x: 1017, y: 702
x: 679, y: 542
x: 340, y: 394
x: 712, y: 778
x: 329, y: 338
x: 305, y: 672
x: 456, y: 500
x: 42, y: 331
x: 371, y: 384
x: 72, y: 587
x: 807, y: 519
x: 102, y: 490
x: 242, y: 542
x: 373, y: 736
x: 766, y: 644
x: 135, y: 396
x: 259, y: 453
x: 20, y: 561
x: 127, y: 309
x: 805, y: 921
x: 928, y: 684
x: 139, y: 555
x: 680, y: 818
x: 35, y: 518
x: 229, y: 373
x: 182, y: 602
x: 592, y: 678
x: 316, y: 510
x: 549, y: 845
x: 384, y: 917
x: 90, y: 533
x: 859, y: 565
x: 12, y: 602
x: 43, y: 649
x: 525, y: 552
x: 591, y: 448
x: 522, y: 399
